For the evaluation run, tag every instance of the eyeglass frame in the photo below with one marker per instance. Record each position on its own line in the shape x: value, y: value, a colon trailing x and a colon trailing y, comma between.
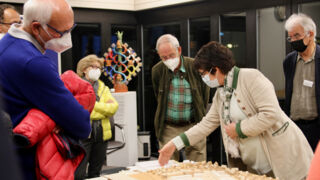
x: 20, y: 22
x: 297, y: 36
x: 95, y: 67
x: 171, y: 56
x: 62, y: 33
x: 202, y: 73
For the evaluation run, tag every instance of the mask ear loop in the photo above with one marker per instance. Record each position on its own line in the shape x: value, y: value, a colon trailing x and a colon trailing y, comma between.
x: 45, y: 29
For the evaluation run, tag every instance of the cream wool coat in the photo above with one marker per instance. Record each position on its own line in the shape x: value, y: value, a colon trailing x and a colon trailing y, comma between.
x: 287, y: 149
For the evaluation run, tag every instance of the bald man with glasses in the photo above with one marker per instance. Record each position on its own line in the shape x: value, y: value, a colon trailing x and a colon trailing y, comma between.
x: 8, y: 16
x: 29, y: 79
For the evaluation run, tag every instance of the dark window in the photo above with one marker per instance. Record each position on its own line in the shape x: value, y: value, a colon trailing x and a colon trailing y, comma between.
x: 233, y: 35
x: 199, y: 34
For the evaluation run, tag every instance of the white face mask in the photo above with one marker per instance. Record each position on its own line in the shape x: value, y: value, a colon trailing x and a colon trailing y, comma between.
x: 58, y: 45
x: 94, y: 74
x: 211, y: 83
x: 172, y: 64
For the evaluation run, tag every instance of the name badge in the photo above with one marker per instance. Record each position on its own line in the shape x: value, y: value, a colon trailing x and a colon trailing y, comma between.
x: 307, y: 83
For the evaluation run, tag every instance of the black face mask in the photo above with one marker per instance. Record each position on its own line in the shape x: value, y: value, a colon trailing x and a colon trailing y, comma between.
x: 298, y: 45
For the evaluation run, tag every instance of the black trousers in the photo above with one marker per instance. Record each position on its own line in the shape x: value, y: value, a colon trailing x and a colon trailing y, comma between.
x: 311, y: 129
x: 95, y: 158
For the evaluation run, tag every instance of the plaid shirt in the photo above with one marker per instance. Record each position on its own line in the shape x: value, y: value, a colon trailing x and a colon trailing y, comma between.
x: 179, y: 109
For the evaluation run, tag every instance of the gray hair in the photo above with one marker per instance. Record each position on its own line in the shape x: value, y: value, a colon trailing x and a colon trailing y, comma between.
x: 86, y: 62
x: 37, y: 10
x: 167, y: 38
x: 303, y: 20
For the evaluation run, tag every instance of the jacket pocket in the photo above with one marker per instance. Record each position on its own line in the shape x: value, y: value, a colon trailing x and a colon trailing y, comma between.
x: 160, y: 94
x: 281, y: 130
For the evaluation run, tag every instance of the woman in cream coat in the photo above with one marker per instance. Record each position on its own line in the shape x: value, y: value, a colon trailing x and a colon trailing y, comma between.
x: 257, y: 135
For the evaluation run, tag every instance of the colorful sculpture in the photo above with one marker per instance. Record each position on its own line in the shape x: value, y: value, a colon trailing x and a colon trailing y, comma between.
x: 121, y: 64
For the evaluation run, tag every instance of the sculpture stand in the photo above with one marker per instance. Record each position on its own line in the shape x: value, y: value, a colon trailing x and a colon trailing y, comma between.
x: 119, y: 85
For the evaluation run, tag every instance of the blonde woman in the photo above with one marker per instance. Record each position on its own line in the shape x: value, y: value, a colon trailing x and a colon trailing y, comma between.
x: 89, y: 68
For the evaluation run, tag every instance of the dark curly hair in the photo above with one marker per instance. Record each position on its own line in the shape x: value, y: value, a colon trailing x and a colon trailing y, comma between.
x: 212, y: 55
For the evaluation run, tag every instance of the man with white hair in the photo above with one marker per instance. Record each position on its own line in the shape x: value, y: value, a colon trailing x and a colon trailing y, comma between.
x: 30, y: 80
x: 302, y: 76
x: 181, y: 94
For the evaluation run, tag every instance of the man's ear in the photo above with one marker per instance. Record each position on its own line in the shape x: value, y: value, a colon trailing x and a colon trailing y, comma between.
x: 179, y: 50
x: 311, y: 34
x: 35, y: 28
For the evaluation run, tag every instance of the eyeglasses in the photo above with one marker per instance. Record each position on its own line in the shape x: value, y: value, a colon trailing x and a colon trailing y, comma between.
x: 203, y: 73
x: 171, y: 56
x: 296, y: 36
x: 62, y: 33
x: 95, y: 67
x: 19, y: 22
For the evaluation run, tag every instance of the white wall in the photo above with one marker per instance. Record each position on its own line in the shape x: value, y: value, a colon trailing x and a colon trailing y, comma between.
x: 129, y: 5
x: 104, y: 4
x: 271, y: 48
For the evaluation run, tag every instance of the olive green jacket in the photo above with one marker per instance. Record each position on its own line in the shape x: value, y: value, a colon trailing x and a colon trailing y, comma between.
x: 161, y: 79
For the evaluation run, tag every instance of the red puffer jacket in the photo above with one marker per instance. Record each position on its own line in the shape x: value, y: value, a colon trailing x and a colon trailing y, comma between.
x: 57, y: 155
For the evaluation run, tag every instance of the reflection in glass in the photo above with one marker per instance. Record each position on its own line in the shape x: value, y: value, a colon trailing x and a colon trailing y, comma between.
x: 199, y: 34
x: 129, y: 34
x: 233, y: 35
x: 86, y: 39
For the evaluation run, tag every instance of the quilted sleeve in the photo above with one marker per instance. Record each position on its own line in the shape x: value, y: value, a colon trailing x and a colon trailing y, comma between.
x: 33, y: 128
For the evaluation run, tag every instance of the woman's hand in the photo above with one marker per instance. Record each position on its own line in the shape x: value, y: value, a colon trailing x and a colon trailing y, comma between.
x: 231, y: 130
x: 166, y: 153
x: 110, y: 101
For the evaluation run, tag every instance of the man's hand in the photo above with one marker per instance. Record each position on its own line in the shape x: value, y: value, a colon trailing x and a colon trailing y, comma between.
x: 231, y: 130
x: 57, y: 129
x: 166, y: 153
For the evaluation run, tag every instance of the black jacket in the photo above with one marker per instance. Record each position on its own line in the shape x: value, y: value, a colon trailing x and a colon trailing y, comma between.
x: 289, y: 67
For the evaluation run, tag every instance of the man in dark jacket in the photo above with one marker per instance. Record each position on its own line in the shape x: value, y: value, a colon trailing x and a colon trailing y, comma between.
x: 302, y: 72
x: 30, y: 80
x: 181, y: 94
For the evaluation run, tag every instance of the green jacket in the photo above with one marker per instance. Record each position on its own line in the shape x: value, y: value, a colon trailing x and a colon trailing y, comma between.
x: 161, y: 79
